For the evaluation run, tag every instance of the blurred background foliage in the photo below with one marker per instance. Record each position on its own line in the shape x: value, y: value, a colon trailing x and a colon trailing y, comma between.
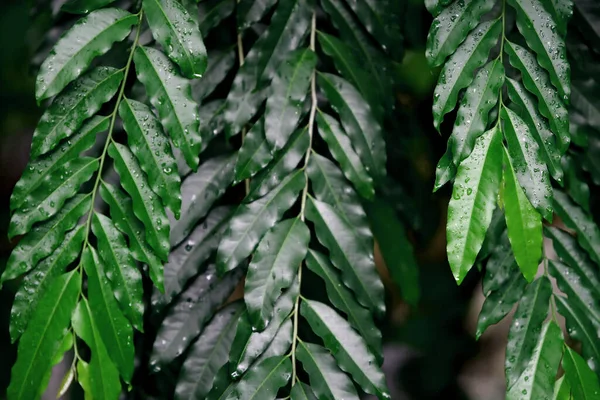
x: 429, y: 346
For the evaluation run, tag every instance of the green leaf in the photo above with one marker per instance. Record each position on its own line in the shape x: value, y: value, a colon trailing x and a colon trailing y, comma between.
x: 37, y: 283
x: 79, y: 101
x: 561, y: 11
x: 588, y: 233
x: 208, y: 354
x: 251, y: 11
x: 575, y: 183
x: 283, y: 164
x: 350, y: 67
x: 452, y: 26
x: 99, y: 378
x: 190, y: 313
x: 343, y: 299
x: 541, y: 367
x: 473, y: 202
x: 40, y: 168
x: 48, y: 199
x: 378, y: 19
x: 286, y: 30
x: 459, y: 72
x: 500, y: 267
x: 115, y: 331
x: 396, y: 249
x: 212, y: 13
x: 251, y: 221
x: 220, y: 63
x: 254, y: 154
x: 301, y: 391
x: 264, y: 380
x: 281, y: 342
x: 121, y: 271
x: 326, y: 378
x: 249, y: 344
x: 562, y: 389
x: 471, y: 119
x: 89, y: 38
x: 580, y: 328
x: 340, y: 147
x: 84, y: 6
x: 358, y: 121
x: 574, y: 284
x: 541, y: 35
x: 39, y: 343
x: 200, y: 190
x: 273, y: 268
x: 171, y: 95
x: 186, y: 260
x: 529, y: 169
x: 45, y: 238
x: 583, y: 381
x: 500, y: 302
x: 523, y: 223
x: 146, y: 204
x: 178, y: 34
x: 538, y: 126
x: 152, y: 149
x: 348, y: 253
x: 524, y: 333
x: 121, y: 211
x: 347, y: 346
x: 289, y: 89
x: 222, y: 385
x: 536, y: 80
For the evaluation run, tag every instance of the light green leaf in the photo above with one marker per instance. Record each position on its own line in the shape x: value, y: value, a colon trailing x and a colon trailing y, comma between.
x: 537, y: 378
x: 146, y: 204
x: 358, y: 121
x: 349, y: 254
x: 187, y: 259
x: 171, y: 95
x: 178, y: 34
x: 44, y: 335
x: 523, y: 223
x: 343, y: 299
x: 251, y: 11
x: 45, y: 238
x: 459, y: 72
x: 84, y: 6
x: 121, y: 271
x: 529, y: 169
x: 340, y: 147
x: 526, y: 108
x: 251, y: 221
x: 89, y: 38
x: 450, y: 28
x: 524, y: 333
x: 536, y: 80
x: 283, y: 164
x: 40, y: 168
x: 200, y: 190
x: 37, y: 283
x: 301, y: 391
x: 326, y: 378
x: 152, y: 149
x: 286, y: 30
x: 584, y: 383
x: 208, y: 354
x: 48, y: 199
x: 79, y: 101
x: 473, y: 202
x: 190, y: 313
x: 347, y: 346
x: 99, y: 378
x: 121, y: 211
x: 115, y: 331
x: 471, y: 119
x: 562, y: 389
x: 264, y: 380
x: 273, y: 268
x: 254, y: 154
x: 289, y: 89
x: 541, y: 35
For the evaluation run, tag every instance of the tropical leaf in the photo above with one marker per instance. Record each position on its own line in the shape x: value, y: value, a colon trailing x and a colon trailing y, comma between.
x: 91, y: 36
x: 582, y: 380
x: 500, y: 267
x: 561, y: 11
x: 84, y: 6
x: 301, y: 391
x: 264, y: 380
x: 220, y: 63
x: 212, y: 13
x: 562, y: 389
x: 251, y: 11
x: 254, y: 154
